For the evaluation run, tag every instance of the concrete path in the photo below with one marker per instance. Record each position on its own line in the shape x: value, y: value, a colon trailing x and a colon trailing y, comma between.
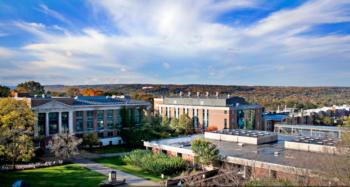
x: 131, y: 180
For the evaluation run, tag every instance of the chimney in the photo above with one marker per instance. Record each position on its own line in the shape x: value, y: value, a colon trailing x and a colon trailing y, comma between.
x: 217, y: 94
x: 198, y: 93
x: 207, y: 94
x: 180, y: 93
x: 189, y: 94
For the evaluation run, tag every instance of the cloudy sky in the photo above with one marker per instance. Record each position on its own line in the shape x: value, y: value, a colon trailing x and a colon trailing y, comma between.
x: 238, y: 42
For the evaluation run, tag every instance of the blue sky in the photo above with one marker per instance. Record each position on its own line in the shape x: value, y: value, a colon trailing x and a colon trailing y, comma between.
x: 232, y: 42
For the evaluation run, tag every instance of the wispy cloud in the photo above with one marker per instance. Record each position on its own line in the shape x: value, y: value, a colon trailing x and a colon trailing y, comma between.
x: 46, y: 10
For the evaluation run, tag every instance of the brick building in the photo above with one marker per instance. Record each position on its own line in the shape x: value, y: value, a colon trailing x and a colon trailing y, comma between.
x: 212, y: 111
x: 101, y: 115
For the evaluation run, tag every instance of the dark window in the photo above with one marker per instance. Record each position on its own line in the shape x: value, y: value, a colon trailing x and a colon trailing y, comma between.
x: 119, y: 118
x: 100, y: 135
x: 53, y: 122
x: 110, y: 134
x: 65, y: 121
x: 79, y: 121
x: 179, y: 155
x: 41, y: 123
x: 225, y: 111
x: 110, y: 119
x: 225, y: 123
x: 100, y: 119
x: 164, y: 151
x: 273, y: 174
x: 90, y: 120
x: 110, y: 143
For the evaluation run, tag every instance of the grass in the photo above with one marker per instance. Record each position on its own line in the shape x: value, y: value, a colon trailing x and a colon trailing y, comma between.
x: 111, y: 149
x: 66, y: 175
x: 117, y: 163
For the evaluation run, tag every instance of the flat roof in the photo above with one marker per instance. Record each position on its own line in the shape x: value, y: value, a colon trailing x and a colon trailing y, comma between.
x: 309, y: 127
x: 264, y: 153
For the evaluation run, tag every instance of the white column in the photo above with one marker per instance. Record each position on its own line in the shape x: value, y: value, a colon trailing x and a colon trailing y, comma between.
x: 47, y: 124
x: 59, y: 122
x: 70, y: 122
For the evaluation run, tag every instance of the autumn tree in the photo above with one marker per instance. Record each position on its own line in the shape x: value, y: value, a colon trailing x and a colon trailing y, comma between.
x: 91, y: 92
x: 73, y: 91
x: 4, y: 91
x: 65, y: 145
x: 205, y: 152
x: 31, y: 87
x: 16, y: 130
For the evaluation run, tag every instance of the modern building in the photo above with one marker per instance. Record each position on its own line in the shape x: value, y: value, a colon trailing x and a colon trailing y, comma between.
x: 212, y: 111
x: 262, y: 154
x: 101, y: 115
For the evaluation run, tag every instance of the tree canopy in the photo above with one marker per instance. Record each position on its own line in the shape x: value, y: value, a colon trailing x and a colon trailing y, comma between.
x: 205, y: 151
x: 4, y: 91
x: 31, y: 87
x: 16, y: 130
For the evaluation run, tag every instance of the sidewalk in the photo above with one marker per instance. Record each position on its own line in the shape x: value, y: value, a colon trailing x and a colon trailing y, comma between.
x: 131, y: 180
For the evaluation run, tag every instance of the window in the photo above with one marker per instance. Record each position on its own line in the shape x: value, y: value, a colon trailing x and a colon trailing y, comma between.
x: 225, y: 111
x: 183, y: 111
x: 79, y: 121
x: 41, y: 123
x: 53, y: 122
x: 110, y: 134
x: 137, y: 116
x: 225, y: 123
x: 119, y: 118
x: 179, y: 155
x: 203, y: 115
x: 90, y: 120
x: 100, y: 135
x: 100, y: 119
x: 110, y: 119
x: 175, y: 110
x: 65, y: 121
x: 273, y: 174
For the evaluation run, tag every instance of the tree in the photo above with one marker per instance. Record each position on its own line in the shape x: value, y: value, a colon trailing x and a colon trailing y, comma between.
x: 73, y: 92
x: 90, y: 140
x: 91, y: 92
x: 65, y: 145
x: 4, y: 91
x: 186, y: 123
x: 31, y: 87
x: 205, y: 152
x: 16, y: 130
x: 165, y: 122
x: 174, y: 124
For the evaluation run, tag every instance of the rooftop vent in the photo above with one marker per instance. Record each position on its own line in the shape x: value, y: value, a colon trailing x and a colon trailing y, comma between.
x: 276, y: 153
x: 207, y: 94
x: 180, y: 94
x: 217, y: 94
x: 198, y: 94
x: 189, y: 94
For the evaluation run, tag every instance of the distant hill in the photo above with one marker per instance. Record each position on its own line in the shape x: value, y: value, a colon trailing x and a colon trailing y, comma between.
x: 268, y: 96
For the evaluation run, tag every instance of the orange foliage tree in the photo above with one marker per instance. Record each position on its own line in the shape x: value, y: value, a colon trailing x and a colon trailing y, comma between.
x: 91, y: 92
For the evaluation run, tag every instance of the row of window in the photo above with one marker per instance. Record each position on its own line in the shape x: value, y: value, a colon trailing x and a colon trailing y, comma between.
x: 53, y: 122
x: 123, y: 117
x: 195, y: 112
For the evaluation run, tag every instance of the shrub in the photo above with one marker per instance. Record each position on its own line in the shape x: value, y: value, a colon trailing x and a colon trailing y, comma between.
x: 155, y: 163
x: 212, y: 128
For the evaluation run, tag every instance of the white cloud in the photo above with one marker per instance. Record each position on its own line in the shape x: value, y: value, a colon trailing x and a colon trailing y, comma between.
x: 184, y: 33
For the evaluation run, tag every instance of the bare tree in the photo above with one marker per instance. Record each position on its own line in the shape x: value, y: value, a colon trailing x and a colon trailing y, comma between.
x: 65, y: 145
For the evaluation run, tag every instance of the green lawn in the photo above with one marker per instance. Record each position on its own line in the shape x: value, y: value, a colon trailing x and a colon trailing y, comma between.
x: 117, y: 163
x: 66, y: 175
x: 111, y: 149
